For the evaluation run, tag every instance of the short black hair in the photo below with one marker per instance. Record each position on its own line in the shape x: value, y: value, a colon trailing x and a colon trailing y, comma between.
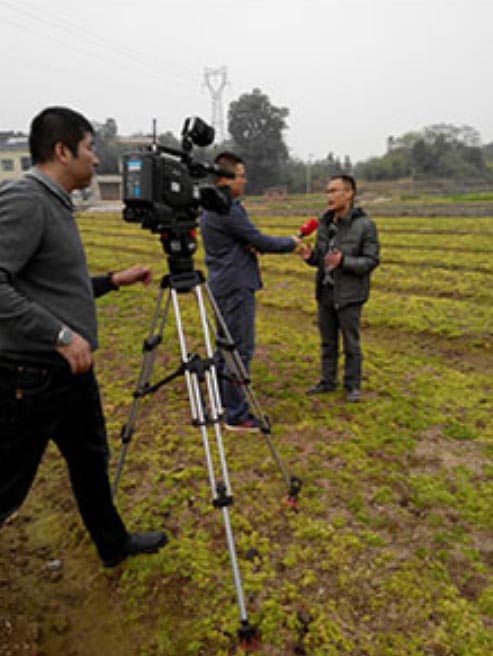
x: 56, y: 124
x: 228, y: 160
x: 347, y: 179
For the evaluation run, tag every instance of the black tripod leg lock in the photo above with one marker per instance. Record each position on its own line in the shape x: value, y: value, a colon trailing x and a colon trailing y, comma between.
x: 126, y: 434
x: 222, y: 499
x: 223, y: 343
x: 150, y: 343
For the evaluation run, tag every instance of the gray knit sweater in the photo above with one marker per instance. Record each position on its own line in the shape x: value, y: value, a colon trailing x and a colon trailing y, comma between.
x: 44, y: 282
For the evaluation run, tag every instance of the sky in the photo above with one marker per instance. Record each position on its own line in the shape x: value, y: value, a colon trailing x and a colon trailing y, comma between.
x: 351, y: 72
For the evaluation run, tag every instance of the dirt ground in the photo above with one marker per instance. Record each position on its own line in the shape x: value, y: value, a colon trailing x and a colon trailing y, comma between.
x: 55, y: 598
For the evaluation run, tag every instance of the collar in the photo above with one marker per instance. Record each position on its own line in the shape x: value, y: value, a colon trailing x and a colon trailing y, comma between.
x: 52, y: 186
x: 353, y: 213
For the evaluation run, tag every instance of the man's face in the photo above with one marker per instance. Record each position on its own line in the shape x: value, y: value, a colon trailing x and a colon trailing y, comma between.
x: 237, y: 184
x: 81, y: 167
x: 339, y: 196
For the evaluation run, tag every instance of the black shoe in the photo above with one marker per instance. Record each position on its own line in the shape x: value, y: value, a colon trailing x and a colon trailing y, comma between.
x: 353, y: 395
x: 320, y: 388
x: 138, y: 543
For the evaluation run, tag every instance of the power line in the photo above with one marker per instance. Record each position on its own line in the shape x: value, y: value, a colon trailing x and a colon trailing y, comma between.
x: 121, y: 54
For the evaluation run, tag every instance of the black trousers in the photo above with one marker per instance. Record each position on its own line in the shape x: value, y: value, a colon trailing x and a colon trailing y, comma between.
x: 39, y: 403
x: 333, y: 322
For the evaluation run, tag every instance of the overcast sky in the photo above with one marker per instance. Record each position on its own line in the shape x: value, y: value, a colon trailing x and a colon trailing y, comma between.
x: 351, y: 72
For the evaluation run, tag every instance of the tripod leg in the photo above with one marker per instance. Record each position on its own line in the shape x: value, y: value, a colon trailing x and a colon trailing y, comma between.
x: 151, y: 343
x: 220, y: 489
x: 212, y: 385
x: 235, y: 365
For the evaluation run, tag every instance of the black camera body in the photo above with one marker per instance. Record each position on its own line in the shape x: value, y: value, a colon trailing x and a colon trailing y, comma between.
x: 158, y: 192
x: 160, y: 184
x: 162, y: 192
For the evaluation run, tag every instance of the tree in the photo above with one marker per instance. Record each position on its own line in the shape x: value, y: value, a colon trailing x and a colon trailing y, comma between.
x: 168, y: 139
x: 438, y: 151
x: 106, y: 147
x: 256, y: 128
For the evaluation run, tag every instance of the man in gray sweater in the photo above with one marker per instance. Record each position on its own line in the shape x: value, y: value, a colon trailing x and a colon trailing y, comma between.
x: 48, y: 332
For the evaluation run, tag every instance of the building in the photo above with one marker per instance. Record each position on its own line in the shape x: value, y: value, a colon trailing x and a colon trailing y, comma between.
x: 109, y: 187
x: 14, y: 156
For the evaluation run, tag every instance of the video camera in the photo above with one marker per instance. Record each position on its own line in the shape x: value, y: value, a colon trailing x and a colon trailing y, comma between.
x: 161, y: 191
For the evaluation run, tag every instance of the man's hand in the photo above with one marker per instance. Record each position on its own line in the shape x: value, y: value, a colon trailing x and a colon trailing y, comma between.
x: 333, y: 259
x: 131, y: 276
x: 297, y: 243
x: 77, y: 353
x: 305, y: 251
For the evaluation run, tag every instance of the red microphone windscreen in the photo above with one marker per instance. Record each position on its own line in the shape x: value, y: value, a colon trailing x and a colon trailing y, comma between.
x: 308, y: 227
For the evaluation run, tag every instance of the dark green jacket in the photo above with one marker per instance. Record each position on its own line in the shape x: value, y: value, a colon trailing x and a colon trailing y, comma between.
x: 356, y: 236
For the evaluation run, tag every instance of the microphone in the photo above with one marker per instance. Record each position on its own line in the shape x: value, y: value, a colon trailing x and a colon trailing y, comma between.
x: 307, y: 228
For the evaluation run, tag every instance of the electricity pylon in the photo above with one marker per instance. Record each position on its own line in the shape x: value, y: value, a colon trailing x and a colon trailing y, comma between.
x: 216, y: 79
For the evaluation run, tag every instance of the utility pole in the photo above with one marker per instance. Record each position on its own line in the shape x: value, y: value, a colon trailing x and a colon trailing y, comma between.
x: 309, y: 174
x: 216, y: 79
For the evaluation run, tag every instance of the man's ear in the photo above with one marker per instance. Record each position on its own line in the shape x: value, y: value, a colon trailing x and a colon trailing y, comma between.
x: 61, y: 152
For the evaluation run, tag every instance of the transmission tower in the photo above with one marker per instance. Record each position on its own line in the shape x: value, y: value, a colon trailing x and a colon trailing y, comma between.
x: 216, y: 79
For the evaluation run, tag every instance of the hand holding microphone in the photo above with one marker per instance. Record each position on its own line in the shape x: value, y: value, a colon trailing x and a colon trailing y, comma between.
x: 304, y: 230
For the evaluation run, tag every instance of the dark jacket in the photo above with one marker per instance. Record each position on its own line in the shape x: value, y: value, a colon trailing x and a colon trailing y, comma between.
x: 231, y: 261
x: 356, y: 236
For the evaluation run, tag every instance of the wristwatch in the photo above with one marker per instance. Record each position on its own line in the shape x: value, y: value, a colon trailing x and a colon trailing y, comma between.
x: 64, y: 337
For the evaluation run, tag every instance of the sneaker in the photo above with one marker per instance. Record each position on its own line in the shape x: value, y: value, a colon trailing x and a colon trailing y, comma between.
x: 250, y: 425
x: 321, y: 388
x: 148, y: 542
x: 353, y: 395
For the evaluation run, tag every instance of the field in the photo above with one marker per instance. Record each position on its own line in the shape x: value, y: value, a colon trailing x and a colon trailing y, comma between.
x: 390, y: 549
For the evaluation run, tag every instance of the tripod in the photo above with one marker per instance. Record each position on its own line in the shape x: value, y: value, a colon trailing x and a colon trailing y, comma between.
x: 206, y: 409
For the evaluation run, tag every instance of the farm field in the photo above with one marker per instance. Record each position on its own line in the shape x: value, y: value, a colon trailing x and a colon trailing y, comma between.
x: 390, y: 549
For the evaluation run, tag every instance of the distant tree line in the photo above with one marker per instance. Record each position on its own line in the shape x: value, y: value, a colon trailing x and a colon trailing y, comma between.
x: 256, y: 128
x: 438, y: 151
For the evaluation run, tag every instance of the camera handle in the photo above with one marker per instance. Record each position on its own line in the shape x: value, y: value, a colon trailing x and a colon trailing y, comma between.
x: 206, y: 411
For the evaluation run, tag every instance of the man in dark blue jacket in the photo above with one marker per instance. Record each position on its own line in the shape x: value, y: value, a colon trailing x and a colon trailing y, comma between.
x: 231, y: 245
x: 346, y: 252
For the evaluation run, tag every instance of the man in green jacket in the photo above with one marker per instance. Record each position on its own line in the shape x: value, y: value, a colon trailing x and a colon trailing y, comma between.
x: 345, y: 253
